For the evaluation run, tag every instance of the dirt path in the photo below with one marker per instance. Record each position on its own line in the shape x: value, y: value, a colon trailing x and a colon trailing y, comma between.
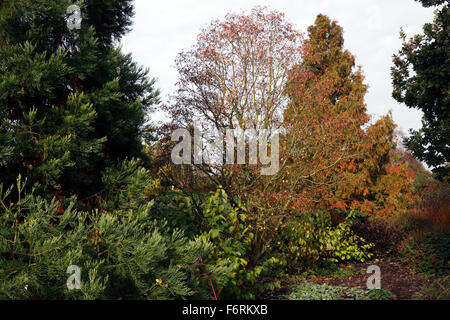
x: 396, y: 277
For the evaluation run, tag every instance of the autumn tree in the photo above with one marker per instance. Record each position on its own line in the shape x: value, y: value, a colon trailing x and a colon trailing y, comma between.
x: 236, y: 72
x: 332, y: 156
x: 234, y: 77
x: 329, y: 157
x: 420, y: 77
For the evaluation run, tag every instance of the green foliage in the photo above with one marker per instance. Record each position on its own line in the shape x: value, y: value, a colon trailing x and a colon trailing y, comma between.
x: 312, y: 237
x: 71, y: 104
x: 124, y: 186
x: 420, y: 78
x: 343, y: 273
x: 380, y: 294
x: 330, y: 269
x: 342, y: 244
x: 122, y: 254
x: 313, y: 291
x: 428, y: 253
x: 179, y: 211
x: 232, y: 237
x: 325, y: 268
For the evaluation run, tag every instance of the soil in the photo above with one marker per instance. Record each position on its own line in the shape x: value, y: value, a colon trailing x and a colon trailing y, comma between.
x: 396, y: 277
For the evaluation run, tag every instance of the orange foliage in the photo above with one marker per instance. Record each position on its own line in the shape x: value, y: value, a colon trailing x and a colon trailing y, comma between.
x: 435, y: 204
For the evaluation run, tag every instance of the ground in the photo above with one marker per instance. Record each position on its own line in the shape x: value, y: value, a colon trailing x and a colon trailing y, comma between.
x: 396, y: 277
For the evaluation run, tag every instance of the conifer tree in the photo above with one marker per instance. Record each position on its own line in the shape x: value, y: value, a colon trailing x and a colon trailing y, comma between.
x: 71, y: 103
x: 121, y: 253
x: 334, y: 155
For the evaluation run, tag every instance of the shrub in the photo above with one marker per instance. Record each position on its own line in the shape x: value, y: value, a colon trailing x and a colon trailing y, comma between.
x: 430, y: 212
x: 180, y: 213
x: 232, y: 237
x: 428, y: 252
x: 341, y: 244
x: 325, y: 268
x: 435, y: 203
x: 312, y: 237
x: 122, y: 254
x: 384, y: 237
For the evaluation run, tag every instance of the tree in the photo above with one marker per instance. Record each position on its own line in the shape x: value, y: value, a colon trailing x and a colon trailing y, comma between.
x: 71, y: 103
x: 236, y: 72
x: 330, y: 159
x: 420, y: 78
x: 234, y: 77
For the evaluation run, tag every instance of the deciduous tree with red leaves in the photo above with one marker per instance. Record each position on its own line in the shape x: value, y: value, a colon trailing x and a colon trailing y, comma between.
x: 235, y: 77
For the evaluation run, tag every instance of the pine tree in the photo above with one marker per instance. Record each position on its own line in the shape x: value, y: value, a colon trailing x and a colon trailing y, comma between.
x: 71, y: 103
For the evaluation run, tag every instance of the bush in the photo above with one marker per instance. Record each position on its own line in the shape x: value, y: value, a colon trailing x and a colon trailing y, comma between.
x: 311, y: 237
x: 233, y: 239
x: 121, y: 254
x: 180, y: 213
x: 428, y: 252
x: 385, y: 238
x: 435, y: 203
x: 431, y: 211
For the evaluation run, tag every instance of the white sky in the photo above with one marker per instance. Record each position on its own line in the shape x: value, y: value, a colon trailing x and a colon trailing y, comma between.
x: 162, y: 29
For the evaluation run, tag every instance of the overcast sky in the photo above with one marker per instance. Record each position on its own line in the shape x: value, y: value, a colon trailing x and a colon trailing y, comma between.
x: 162, y: 29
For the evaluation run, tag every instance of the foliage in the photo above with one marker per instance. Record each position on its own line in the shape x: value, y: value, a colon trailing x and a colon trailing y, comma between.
x: 328, y: 156
x: 332, y: 270
x: 124, y: 186
x: 232, y: 78
x: 71, y: 103
x: 73, y: 123
x: 380, y: 294
x: 420, y: 78
x: 434, y: 204
x: 179, y: 211
x: 428, y: 253
x: 430, y: 211
x: 394, y: 194
x: 232, y: 237
x: 325, y: 268
x: 437, y: 288
x: 313, y: 237
x: 313, y: 291
x: 385, y: 238
x: 121, y: 255
x: 235, y: 73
